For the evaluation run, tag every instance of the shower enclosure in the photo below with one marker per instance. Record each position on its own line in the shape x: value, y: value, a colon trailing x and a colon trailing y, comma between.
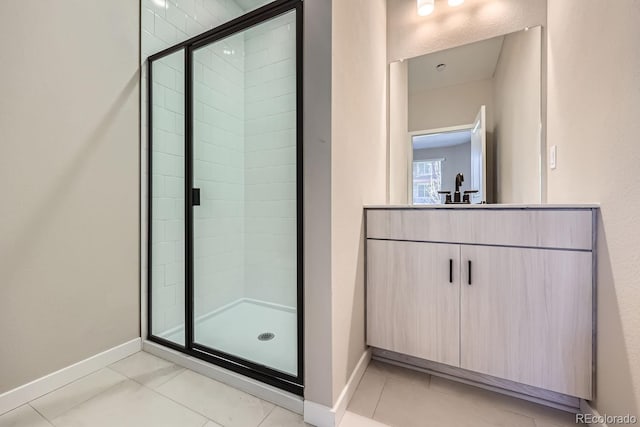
x: 225, y: 195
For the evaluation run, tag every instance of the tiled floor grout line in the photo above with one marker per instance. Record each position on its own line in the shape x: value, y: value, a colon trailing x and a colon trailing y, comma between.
x: 521, y: 414
x: 67, y: 384
x: 267, y: 416
x: 50, y: 421
x: 495, y: 406
x: 178, y: 373
x: 175, y: 401
x: 191, y: 409
x: 207, y: 419
x: 42, y: 415
x: 126, y: 377
x: 166, y: 374
x: 175, y: 374
x: 384, y: 384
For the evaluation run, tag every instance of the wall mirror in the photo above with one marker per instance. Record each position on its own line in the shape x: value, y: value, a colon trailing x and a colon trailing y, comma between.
x: 468, y: 119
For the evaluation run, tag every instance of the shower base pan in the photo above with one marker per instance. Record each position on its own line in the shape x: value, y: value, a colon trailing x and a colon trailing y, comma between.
x: 254, y: 330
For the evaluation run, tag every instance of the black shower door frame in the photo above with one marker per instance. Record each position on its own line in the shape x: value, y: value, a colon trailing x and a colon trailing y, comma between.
x: 290, y: 383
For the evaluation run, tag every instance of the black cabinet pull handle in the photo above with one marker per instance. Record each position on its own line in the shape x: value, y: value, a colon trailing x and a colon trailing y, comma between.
x: 450, y: 270
x: 195, y: 197
x: 469, y: 272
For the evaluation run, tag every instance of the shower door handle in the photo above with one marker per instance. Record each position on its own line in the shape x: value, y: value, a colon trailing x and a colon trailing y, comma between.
x: 195, y: 197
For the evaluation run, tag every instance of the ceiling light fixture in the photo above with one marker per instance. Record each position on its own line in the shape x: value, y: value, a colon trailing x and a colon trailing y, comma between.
x: 455, y: 2
x: 425, y: 7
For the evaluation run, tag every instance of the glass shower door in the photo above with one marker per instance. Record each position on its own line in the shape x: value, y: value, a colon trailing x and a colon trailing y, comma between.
x: 167, y: 199
x: 245, y: 212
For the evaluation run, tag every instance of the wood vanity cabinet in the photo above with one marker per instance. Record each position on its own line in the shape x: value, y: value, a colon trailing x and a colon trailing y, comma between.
x: 481, y: 301
x: 413, y: 302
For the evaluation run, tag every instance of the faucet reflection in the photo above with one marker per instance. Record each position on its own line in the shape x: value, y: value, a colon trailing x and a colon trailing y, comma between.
x: 456, y: 195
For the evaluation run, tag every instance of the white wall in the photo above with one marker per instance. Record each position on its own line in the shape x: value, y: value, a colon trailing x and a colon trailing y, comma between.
x: 451, y: 105
x: 594, y: 105
x: 270, y: 162
x: 317, y: 201
x: 398, y: 149
x: 412, y: 35
x: 69, y: 256
x: 517, y: 118
x: 358, y: 166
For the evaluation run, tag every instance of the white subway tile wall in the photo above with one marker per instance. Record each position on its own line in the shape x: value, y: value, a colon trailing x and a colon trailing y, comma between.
x: 244, y: 159
x: 270, y: 162
x: 168, y: 194
x: 165, y: 23
x: 218, y: 151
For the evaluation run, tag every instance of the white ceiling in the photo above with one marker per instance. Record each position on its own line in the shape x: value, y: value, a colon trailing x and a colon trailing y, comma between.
x: 472, y: 62
x: 439, y: 140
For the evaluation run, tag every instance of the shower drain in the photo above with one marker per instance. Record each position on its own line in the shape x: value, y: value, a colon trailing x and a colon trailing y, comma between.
x: 266, y: 336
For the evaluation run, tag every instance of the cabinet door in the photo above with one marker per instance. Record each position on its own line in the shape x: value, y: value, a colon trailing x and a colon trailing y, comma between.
x: 527, y: 316
x: 412, y: 305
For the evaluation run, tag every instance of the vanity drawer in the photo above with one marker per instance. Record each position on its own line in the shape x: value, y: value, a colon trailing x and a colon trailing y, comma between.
x: 543, y: 228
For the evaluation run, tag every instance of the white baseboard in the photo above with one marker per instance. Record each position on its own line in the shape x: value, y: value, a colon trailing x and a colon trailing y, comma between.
x: 27, y: 392
x: 585, y: 408
x: 350, y: 388
x: 319, y: 415
x: 264, y: 391
x: 323, y: 416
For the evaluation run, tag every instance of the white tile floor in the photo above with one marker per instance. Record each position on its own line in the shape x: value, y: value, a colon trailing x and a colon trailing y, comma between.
x: 394, y: 396
x: 143, y: 390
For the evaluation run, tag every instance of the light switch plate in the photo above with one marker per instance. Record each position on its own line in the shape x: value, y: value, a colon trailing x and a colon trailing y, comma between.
x: 553, y: 156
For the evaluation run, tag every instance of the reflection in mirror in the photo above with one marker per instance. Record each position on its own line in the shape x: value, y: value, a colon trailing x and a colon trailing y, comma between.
x: 444, y: 158
x: 474, y: 111
x: 437, y: 159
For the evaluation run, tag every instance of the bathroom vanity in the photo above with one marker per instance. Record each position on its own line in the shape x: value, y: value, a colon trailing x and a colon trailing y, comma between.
x: 501, y: 296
